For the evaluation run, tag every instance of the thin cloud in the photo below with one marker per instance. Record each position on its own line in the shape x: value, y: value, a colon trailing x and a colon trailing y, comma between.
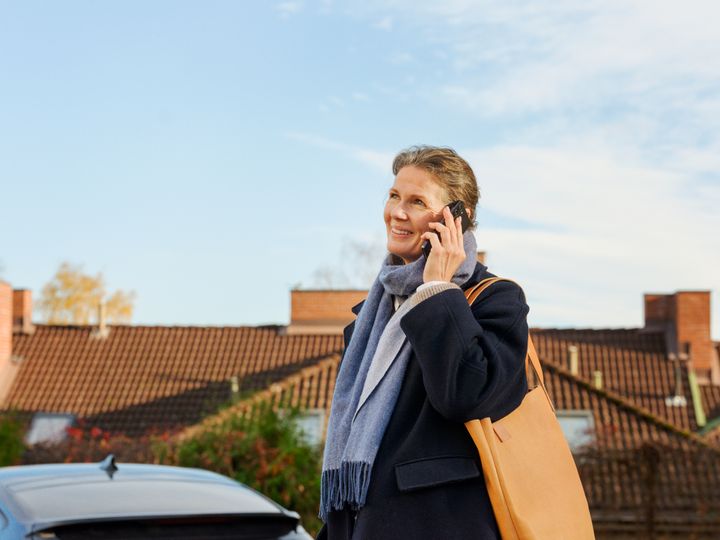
x: 400, y: 58
x: 578, y: 58
x: 374, y: 159
x: 386, y: 23
x: 287, y: 9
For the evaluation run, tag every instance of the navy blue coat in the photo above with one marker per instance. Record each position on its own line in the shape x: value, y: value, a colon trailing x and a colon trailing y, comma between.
x: 467, y: 363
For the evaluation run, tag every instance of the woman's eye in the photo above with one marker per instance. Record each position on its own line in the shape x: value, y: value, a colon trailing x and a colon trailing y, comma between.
x: 394, y: 196
x: 419, y: 202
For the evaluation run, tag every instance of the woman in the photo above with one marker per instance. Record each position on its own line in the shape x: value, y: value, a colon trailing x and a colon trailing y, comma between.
x: 419, y: 362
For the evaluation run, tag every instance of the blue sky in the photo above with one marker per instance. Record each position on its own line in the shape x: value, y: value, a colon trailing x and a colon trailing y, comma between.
x: 212, y: 155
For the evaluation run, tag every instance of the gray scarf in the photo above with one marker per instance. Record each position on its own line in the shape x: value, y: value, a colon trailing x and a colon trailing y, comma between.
x: 369, y: 381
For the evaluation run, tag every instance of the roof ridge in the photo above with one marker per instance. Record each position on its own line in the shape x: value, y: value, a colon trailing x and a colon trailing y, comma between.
x: 593, y: 329
x: 163, y: 326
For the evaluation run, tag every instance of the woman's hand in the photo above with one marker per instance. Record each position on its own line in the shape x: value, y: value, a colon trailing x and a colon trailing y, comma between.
x: 448, y: 251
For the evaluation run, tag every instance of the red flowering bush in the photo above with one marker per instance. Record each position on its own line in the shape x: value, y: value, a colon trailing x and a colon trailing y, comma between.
x: 87, y: 444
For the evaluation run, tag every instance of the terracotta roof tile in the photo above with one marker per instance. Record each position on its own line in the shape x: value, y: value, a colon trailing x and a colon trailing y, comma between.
x: 633, y: 363
x: 153, y: 376
x: 711, y: 400
x: 620, y: 424
x: 310, y: 388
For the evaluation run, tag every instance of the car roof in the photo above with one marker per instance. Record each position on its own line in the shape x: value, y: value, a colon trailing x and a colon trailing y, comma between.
x: 58, y: 493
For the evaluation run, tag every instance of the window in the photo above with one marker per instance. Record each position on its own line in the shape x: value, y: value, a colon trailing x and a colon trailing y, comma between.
x: 312, y: 422
x: 48, y: 427
x: 578, y: 427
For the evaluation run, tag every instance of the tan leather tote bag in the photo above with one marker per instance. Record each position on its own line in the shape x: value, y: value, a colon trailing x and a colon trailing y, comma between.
x: 529, y: 471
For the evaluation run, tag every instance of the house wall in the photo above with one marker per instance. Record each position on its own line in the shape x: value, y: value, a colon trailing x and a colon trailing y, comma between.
x: 322, y: 311
x: 7, y: 368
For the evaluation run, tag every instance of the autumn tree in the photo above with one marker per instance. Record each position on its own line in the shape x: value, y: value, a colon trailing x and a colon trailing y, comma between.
x: 73, y: 297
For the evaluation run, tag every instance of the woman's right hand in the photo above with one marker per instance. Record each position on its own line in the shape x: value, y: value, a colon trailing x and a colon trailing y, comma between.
x: 448, y: 250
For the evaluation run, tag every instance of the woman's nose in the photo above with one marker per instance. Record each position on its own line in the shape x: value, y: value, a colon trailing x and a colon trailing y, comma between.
x: 398, y: 212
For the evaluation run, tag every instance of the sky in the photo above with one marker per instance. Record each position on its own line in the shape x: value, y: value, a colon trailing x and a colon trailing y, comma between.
x: 213, y: 155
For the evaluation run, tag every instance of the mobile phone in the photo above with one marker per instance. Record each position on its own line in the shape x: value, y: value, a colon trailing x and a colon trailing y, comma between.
x: 457, y: 209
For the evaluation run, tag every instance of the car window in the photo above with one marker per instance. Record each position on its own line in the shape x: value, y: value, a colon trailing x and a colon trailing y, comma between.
x: 207, y: 528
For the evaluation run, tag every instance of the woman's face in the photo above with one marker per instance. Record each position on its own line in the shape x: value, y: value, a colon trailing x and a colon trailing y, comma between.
x: 415, y: 200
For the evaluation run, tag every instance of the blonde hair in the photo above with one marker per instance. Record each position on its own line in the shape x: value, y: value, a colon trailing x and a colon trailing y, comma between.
x: 451, y: 171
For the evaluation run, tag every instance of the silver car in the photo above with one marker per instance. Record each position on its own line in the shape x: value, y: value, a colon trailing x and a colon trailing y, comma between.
x: 131, y: 501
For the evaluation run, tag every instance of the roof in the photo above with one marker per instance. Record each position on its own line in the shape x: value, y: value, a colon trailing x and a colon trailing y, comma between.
x: 310, y: 388
x: 160, y: 377
x: 619, y: 423
x: 168, y: 377
x: 634, y: 364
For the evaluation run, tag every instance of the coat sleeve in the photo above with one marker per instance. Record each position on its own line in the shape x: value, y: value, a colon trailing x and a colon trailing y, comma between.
x: 472, y: 359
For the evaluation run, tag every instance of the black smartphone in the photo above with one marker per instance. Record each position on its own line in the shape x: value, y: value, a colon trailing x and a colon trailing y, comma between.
x: 457, y: 209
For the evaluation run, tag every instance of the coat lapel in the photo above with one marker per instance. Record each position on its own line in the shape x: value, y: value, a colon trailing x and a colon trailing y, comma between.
x: 348, y: 330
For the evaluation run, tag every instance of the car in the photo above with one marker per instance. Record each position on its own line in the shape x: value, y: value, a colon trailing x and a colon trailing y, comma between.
x: 132, y: 501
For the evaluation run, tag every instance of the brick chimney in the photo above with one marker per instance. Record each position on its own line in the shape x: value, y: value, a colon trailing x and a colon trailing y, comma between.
x: 8, y: 368
x: 22, y: 311
x: 322, y: 311
x: 685, y: 318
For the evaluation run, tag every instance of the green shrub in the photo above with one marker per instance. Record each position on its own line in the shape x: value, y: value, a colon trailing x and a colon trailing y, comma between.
x: 11, y: 439
x: 268, y: 454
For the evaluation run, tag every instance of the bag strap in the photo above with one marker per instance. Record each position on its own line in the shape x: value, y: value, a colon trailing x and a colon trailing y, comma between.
x: 531, y: 358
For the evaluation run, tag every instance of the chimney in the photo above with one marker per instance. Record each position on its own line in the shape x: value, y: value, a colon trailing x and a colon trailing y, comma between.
x: 597, y: 380
x: 322, y: 311
x: 22, y: 311
x: 102, y: 331
x: 685, y: 318
x: 8, y: 367
x: 573, y: 359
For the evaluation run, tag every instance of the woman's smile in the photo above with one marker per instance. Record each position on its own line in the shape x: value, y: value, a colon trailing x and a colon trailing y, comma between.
x: 400, y: 232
